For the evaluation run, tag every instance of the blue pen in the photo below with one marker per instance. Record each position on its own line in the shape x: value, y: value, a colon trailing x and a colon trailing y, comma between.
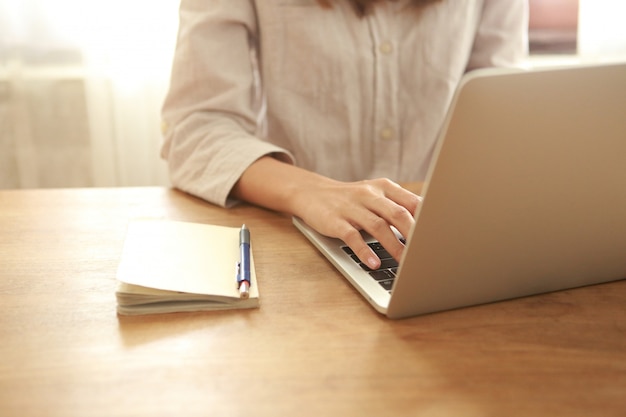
x: 243, y: 272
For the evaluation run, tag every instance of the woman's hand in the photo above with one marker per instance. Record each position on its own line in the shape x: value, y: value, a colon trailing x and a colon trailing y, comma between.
x: 342, y: 210
x: 333, y: 208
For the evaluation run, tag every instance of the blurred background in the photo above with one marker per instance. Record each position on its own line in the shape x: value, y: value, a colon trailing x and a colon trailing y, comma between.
x: 82, y: 82
x: 81, y: 85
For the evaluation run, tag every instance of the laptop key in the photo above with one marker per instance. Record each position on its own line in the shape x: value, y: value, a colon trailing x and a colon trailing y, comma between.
x: 387, y: 285
x: 382, y: 275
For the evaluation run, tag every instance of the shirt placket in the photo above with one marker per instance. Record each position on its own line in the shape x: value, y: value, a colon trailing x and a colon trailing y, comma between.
x: 385, y: 124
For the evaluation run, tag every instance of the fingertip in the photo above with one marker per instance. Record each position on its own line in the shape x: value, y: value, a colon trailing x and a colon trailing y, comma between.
x: 373, y: 262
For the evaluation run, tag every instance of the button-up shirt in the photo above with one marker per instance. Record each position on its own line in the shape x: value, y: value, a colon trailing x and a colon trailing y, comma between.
x: 350, y: 98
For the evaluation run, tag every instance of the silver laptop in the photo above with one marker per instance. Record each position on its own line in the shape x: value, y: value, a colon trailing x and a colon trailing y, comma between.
x: 526, y: 195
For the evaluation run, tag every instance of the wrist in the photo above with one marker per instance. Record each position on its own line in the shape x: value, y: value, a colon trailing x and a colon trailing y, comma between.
x: 300, y: 190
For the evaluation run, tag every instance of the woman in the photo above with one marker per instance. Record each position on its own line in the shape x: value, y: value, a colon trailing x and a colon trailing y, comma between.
x: 317, y: 108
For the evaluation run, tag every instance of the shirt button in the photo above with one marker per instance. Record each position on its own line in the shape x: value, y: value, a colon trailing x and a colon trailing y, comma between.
x: 386, y: 47
x: 387, y: 134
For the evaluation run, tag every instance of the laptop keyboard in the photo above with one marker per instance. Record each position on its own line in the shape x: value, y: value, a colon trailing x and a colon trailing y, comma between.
x: 388, y: 269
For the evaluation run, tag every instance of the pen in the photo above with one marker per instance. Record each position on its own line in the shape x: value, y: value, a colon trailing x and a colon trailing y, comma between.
x: 243, y: 272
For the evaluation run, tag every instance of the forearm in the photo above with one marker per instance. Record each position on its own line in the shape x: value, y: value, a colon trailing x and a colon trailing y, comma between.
x: 277, y: 185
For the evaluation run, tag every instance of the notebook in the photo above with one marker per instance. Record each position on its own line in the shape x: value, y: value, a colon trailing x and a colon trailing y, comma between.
x: 171, y: 266
x: 526, y: 194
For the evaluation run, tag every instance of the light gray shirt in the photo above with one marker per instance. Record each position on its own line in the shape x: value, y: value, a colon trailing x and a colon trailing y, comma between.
x: 346, y: 97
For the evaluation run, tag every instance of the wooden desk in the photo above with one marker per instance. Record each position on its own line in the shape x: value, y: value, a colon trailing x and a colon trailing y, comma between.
x: 314, y: 348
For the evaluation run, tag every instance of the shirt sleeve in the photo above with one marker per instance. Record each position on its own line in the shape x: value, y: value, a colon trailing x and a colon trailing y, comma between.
x: 212, y: 110
x: 502, y: 36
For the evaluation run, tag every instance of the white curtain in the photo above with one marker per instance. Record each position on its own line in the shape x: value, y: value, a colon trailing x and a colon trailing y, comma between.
x: 81, y: 86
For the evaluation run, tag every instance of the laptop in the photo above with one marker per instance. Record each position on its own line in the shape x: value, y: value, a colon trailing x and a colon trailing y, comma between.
x: 526, y: 194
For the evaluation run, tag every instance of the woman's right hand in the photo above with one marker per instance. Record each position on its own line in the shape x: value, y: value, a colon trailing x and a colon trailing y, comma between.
x: 334, y: 208
x: 342, y: 210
